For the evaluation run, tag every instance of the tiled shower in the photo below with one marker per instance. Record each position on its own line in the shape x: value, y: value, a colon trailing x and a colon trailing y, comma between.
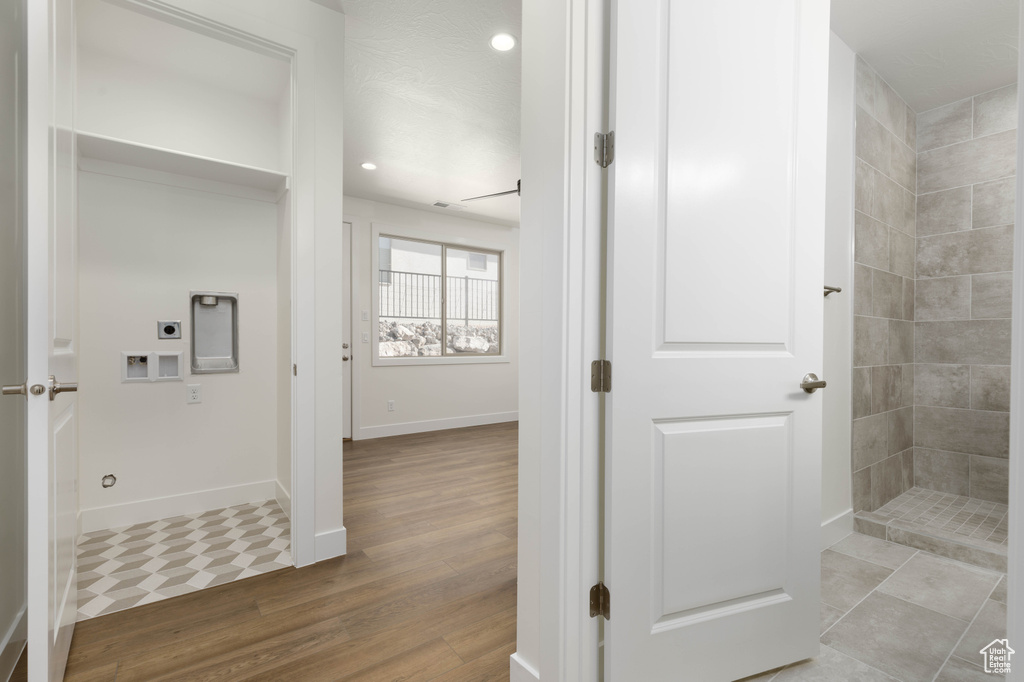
x: 933, y: 255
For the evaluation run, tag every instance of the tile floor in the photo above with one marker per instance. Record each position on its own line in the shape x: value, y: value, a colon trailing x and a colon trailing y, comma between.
x: 954, y: 526
x: 890, y: 612
x: 949, y: 514
x: 147, y: 562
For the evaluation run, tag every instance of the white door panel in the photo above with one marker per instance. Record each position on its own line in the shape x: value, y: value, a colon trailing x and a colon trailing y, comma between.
x: 715, y: 307
x: 52, y: 345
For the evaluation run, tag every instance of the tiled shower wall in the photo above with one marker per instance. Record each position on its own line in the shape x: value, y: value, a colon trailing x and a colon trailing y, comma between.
x: 965, y: 211
x: 884, y: 255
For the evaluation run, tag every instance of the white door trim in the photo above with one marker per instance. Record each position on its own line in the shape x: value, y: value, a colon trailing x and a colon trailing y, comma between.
x: 1015, y: 558
x: 560, y: 334
x: 360, y: 233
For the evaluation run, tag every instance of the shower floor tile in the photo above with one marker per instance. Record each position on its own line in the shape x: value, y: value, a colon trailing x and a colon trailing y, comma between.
x: 952, y: 516
x: 125, y: 567
x: 955, y: 526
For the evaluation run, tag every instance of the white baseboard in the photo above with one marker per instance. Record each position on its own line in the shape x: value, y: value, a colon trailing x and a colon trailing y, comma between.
x: 521, y: 671
x: 330, y: 544
x: 835, y: 529
x: 404, y: 428
x: 130, y: 513
x: 12, y: 645
x: 284, y: 499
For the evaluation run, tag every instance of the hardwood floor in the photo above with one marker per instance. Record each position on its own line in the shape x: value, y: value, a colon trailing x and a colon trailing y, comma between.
x: 426, y: 592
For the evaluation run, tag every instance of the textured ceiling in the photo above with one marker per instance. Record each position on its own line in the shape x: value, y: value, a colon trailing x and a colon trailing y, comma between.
x: 933, y: 52
x: 429, y: 102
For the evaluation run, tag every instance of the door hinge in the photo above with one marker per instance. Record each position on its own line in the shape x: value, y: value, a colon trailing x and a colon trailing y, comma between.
x: 604, y: 148
x: 601, y: 376
x: 600, y: 601
x: 295, y: 370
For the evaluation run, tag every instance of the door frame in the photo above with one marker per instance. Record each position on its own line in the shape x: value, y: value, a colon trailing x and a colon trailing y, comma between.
x: 561, y: 332
x: 1015, y: 553
x: 354, y: 330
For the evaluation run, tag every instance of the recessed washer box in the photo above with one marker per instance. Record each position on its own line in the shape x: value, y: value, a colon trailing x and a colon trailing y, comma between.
x: 150, y: 366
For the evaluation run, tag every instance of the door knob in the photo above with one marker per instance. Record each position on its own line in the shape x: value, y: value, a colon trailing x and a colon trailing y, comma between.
x: 344, y: 345
x: 344, y: 358
x: 23, y: 389
x: 811, y: 383
x: 57, y: 387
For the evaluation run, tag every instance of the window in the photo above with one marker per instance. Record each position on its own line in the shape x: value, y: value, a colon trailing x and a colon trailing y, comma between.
x: 476, y: 261
x: 436, y: 300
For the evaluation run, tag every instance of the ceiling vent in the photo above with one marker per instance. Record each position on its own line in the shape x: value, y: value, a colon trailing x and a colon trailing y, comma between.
x: 449, y: 206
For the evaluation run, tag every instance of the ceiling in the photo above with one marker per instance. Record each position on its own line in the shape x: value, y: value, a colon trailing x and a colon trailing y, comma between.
x: 933, y: 52
x: 432, y: 105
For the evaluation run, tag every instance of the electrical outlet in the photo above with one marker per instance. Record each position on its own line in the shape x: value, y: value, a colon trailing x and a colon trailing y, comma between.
x: 194, y: 393
x: 391, y: 406
x: 366, y: 337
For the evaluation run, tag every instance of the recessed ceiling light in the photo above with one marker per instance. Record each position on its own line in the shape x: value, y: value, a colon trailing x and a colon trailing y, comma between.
x: 503, y: 42
x: 370, y: 166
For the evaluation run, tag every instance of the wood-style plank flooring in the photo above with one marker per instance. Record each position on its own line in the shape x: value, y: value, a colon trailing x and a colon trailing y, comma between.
x: 426, y: 592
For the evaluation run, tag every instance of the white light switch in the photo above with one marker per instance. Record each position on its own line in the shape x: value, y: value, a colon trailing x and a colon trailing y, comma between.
x: 366, y: 316
x: 366, y: 337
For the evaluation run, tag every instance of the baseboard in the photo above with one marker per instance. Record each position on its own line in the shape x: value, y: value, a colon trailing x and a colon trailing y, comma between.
x: 284, y: 499
x: 521, y: 671
x: 12, y: 645
x: 836, y: 528
x: 330, y: 544
x: 143, y: 511
x: 367, y: 432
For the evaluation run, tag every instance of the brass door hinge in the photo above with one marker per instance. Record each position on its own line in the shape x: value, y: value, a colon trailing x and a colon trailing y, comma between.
x: 600, y: 601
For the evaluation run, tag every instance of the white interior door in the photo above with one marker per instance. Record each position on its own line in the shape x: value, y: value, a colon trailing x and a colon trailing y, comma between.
x: 715, y: 315
x: 52, y: 346
x: 347, y: 347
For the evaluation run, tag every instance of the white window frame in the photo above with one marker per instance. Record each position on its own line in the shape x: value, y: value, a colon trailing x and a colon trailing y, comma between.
x: 378, y: 231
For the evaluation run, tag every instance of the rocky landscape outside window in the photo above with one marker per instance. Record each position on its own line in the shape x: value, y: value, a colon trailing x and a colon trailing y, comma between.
x: 437, y: 299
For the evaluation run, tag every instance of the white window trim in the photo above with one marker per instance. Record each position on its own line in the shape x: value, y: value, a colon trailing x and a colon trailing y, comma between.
x: 378, y: 229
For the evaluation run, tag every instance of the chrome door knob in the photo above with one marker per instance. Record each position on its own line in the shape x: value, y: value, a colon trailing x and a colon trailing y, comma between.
x: 811, y: 383
x: 57, y: 387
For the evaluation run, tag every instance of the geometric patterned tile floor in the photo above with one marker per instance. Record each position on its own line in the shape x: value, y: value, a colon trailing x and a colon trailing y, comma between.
x: 890, y: 612
x: 147, y: 562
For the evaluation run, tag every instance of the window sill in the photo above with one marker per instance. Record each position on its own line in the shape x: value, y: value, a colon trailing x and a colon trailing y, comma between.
x: 443, y: 360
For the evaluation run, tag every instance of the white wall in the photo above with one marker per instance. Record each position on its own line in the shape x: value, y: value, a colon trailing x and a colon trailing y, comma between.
x: 142, y: 248
x: 436, y: 396
x: 12, y: 348
x: 129, y: 88
x: 836, y: 493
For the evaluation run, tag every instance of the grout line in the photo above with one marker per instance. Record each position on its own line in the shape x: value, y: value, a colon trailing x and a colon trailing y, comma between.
x: 964, y: 634
x: 970, y: 139
x: 970, y: 184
